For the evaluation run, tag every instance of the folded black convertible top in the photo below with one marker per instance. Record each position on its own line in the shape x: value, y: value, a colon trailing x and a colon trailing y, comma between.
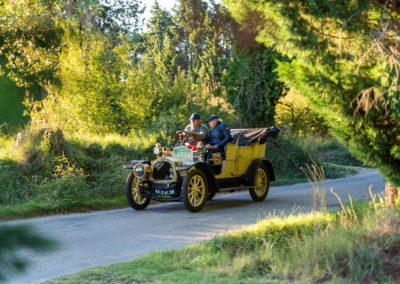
x: 250, y: 136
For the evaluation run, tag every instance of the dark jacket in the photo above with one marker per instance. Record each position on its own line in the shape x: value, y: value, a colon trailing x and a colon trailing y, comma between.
x: 219, y: 135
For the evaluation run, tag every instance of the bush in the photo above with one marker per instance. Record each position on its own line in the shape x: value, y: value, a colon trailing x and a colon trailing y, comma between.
x: 60, y: 172
x: 287, y: 158
x: 61, y: 194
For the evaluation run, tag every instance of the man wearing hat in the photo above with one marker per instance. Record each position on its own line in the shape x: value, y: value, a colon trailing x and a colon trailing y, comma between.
x: 219, y: 135
x: 196, y: 129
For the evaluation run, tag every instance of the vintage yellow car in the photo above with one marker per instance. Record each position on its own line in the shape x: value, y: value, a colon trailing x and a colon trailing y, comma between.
x: 181, y: 174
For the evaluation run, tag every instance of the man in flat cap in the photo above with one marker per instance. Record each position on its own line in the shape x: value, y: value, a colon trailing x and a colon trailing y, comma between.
x: 196, y: 130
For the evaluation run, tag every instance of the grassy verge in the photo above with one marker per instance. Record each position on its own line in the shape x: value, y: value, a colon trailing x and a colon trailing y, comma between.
x: 34, y: 209
x: 51, y: 174
x: 352, y: 246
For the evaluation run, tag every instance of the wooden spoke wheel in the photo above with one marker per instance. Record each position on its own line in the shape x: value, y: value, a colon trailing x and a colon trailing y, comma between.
x: 135, y: 198
x: 261, y: 183
x: 194, y: 190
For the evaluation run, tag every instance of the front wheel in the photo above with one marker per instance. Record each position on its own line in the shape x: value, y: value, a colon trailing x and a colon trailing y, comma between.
x: 261, y: 183
x: 135, y: 198
x: 194, y: 190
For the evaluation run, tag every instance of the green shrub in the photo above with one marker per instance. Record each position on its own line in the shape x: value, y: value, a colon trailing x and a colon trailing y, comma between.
x: 289, y: 154
x: 58, y: 172
x: 287, y: 158
x: 61, y: 194
x: 331, y: 151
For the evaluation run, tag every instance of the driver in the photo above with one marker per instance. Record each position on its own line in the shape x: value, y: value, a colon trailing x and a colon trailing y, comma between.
x: 196, y: 129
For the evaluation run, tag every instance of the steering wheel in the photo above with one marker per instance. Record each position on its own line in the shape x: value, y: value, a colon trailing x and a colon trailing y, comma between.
x: 182, y: 136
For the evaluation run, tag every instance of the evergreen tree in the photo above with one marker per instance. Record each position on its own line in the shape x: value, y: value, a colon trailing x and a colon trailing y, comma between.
x: 161, y: 44
x: 252, y: 85
x: 189, y: 16
x: 345, y: 60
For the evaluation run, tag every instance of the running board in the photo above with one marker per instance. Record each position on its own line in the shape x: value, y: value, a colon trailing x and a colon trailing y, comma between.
x: 235, y: 188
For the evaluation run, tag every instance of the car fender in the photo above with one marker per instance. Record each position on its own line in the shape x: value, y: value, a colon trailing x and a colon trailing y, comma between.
x: 205, y: 168
x: 132, y: 163
x: 270, y: 169
x: 251, y: 170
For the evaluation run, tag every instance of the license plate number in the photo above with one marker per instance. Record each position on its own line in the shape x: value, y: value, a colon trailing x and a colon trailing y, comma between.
x: 164, y: 192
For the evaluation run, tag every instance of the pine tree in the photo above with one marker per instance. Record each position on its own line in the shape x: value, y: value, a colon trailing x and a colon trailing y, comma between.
x: 252, y: 85
x: 345, y: 60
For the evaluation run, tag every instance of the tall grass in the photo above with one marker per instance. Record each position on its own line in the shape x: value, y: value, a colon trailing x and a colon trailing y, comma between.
x: 328, y: 150
x: 61, y: 173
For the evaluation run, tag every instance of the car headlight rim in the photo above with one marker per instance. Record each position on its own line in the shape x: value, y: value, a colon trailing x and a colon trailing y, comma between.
x: 139, y: 170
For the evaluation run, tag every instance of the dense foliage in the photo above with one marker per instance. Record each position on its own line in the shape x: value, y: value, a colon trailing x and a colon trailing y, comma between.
x: 345, y: 60
x: 248, y: 90
x: 294, y: 116
x: 57, y: 173
x: 103, y: 75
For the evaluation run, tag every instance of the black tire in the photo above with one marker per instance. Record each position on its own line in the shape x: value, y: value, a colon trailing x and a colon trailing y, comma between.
x: 135, y: 199
x: 261, y: 181
x: 194, y: 190
x: 210, y: 196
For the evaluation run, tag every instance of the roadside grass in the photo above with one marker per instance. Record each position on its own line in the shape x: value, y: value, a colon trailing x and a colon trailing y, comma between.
x: 52, y: 174
x: 35, y: 209
x: 311, y: 248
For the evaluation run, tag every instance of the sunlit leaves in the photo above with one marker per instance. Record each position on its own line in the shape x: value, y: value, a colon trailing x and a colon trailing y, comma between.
x: 30, y: 40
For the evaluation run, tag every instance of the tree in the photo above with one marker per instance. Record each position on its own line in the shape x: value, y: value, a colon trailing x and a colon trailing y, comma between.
x: 30, y: 34
x: 119, y: 16
x: 345, y: 60
x: 161, y: 44
x: 293, y: 113
x: 251, y: 85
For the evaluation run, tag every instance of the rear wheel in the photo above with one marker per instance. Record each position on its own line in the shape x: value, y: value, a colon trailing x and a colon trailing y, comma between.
x: 261, y: 183
x: 194, y: 190
x: 135, y: 198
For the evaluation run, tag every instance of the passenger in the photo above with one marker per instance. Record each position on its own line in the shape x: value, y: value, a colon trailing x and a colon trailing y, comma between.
x: 219, y: 135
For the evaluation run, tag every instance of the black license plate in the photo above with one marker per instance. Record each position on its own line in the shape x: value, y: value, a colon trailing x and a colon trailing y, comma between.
x: 164, y: 191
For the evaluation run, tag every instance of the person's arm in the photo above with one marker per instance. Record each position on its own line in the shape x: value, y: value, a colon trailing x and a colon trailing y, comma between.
x: 202, y: 134
x: 227, y: 136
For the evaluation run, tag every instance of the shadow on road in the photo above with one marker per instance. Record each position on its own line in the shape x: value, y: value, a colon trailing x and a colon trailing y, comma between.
x: 221, y: 202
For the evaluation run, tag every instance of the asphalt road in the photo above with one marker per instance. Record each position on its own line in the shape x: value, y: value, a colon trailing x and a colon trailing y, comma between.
x: 106, y: 237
